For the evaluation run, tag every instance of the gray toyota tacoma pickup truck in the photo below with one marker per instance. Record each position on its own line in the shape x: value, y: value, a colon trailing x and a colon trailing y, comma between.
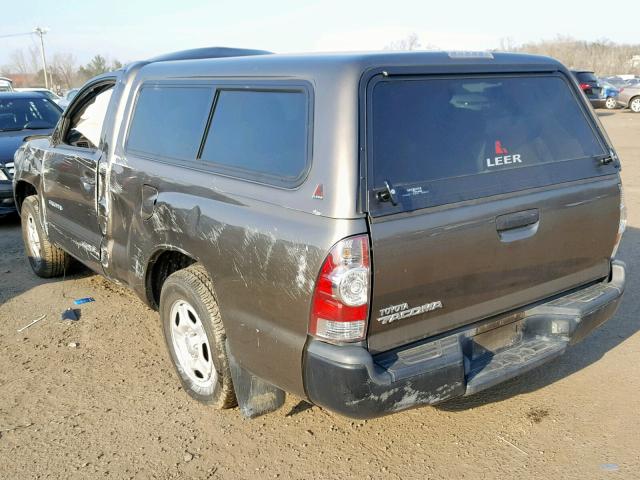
x: 370, y: 232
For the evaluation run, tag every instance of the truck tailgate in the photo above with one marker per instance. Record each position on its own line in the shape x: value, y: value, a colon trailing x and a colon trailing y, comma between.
x: 456, y: 260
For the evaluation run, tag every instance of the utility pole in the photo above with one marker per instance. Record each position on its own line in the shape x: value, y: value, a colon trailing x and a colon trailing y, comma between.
x: 41, y: 31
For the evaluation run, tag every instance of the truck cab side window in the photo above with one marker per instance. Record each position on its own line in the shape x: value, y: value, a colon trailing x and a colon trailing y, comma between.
x: 86, y: 123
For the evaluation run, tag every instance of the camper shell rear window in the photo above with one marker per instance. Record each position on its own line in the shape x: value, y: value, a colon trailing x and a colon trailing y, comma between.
x: 438, y: 140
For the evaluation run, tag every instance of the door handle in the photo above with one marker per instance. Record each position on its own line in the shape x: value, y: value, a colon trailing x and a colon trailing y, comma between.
x: 517, y: 219
x: 518, y: 225
x: 149, y: 198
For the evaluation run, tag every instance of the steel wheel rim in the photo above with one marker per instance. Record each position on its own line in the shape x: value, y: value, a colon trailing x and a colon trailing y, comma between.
x: 191, y: 345
x: 635, y: 105
x: 34, y: 239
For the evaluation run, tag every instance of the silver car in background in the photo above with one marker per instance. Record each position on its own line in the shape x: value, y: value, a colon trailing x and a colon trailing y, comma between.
x: 629, y: 97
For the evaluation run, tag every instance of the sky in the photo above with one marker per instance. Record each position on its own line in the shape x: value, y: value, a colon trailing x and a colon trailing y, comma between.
x: 133, y: 30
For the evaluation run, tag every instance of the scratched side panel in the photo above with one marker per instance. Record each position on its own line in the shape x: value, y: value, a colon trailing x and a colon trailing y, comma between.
x: 264, y: 261
x: 32, y: 165
x: 28, y: 164
x: 263, y: 258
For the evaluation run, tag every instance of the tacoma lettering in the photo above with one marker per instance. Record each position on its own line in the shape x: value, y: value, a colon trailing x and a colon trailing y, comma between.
x: 406, y: 312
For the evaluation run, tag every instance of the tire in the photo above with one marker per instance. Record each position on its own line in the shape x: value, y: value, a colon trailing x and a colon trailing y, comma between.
x: 634, y: 104
x: 195, y: 336
x: 46, y: 259
x: 611, y: 103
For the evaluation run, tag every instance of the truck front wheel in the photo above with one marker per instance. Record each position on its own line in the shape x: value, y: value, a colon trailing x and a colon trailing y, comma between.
x: 195, y: 336
x: 46, y: 259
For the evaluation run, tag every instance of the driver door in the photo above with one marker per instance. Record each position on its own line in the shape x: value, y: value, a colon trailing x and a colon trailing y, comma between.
x: 70, y: 174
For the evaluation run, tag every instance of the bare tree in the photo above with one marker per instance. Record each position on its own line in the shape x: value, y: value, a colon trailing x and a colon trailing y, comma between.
x: 601, y: 56
x: 507, y: 44
x: 64, y: 70
x: 35, y: 59
x: 25, y: 64
x: 411, y: 42
x: 18, y: 63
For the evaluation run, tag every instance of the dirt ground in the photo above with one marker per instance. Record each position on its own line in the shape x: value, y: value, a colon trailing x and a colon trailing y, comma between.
x: 111, y: 406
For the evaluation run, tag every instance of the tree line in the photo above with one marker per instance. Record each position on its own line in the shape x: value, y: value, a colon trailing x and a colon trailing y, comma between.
x: 64, y: 71
x: 603, y: 57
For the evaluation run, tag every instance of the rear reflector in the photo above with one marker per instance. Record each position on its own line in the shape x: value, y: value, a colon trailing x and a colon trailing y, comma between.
x: 340, y: 304
x: 340, y: 331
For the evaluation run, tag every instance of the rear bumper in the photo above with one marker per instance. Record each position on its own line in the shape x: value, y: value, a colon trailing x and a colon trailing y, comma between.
x: 598, y: 102
x: 7, y: 204
x: 349, y: 381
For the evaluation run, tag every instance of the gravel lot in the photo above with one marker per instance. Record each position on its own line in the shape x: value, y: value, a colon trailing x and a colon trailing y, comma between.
x: 111, y: 406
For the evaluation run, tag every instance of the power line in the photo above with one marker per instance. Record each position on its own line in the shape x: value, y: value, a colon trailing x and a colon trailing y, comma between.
x: 16, y: 34
x: 40, y: 31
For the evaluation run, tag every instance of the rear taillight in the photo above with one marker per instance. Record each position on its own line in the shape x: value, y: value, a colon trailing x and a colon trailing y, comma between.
x: 340, y: 305
x: 622, y: 223
x: 585, y: 86
x: 621, y: 90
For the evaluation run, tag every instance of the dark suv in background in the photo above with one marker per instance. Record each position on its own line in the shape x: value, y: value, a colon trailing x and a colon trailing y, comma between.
x: 591, y: 87
x: 21, y: 115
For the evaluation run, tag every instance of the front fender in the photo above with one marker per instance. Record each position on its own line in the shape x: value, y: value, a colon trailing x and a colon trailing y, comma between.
x: 28, y: 160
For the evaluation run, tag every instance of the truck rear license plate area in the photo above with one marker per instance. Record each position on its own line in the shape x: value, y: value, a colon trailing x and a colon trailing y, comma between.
x: 494, y: 340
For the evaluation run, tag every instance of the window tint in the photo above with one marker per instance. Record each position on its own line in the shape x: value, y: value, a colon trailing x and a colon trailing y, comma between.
x: 264, y: 132
x: 426, y: 130
x: 170, y: 121
x: 586, y: 77
x: 27, y: 113
x: 86, y: 124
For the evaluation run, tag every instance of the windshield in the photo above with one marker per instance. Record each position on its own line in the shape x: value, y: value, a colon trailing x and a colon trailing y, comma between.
x: 27, y: 113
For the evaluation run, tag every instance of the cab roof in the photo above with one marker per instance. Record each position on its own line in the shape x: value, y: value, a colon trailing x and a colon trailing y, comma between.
x: 241, y: 56
x: 348, y: 66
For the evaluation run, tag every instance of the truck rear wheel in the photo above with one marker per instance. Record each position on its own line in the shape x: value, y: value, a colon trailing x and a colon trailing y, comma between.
x: 195, y: 336
x: 46, y: 259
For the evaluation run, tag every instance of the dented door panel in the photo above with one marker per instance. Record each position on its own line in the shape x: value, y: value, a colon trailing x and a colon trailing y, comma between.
x: 70, y: 180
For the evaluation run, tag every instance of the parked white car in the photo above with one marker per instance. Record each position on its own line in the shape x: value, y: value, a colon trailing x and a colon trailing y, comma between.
x: 5, y: 85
